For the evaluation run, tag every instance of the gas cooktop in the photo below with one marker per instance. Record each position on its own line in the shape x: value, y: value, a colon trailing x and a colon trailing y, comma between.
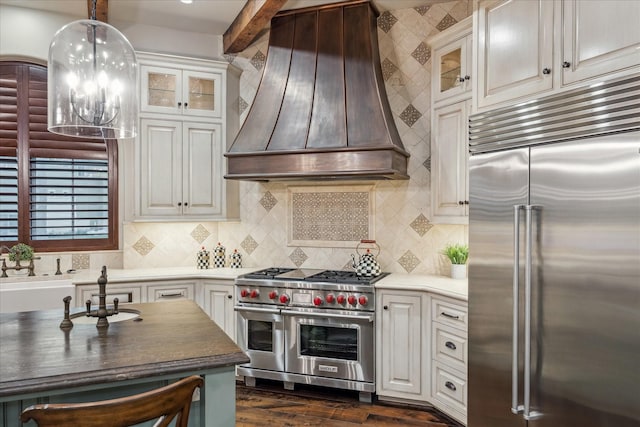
x: 312, y: 275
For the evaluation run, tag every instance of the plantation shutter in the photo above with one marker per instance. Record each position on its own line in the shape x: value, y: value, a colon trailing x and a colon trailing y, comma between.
x: 8, y: 154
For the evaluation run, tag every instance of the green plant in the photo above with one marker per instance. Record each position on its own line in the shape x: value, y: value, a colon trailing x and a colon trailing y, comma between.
x: 457, y: 253
x: 25, y: 251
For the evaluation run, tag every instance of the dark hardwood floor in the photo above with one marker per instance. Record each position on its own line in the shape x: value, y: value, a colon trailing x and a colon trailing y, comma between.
x: 268, y: 404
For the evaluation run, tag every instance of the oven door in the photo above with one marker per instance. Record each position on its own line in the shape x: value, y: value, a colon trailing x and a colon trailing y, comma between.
x: 261, y: 336
x: 330, y: 343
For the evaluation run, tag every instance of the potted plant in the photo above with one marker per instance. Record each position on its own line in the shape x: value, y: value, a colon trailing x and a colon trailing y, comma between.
x: 20, y: 252
x: 458, y: 255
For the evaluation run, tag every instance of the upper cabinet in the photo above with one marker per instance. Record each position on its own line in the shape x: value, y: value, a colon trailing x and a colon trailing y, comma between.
x: 180, y: 91
x: 186, y: 125
x: 598, y: 38
x: 527, y: 48
x: 514, y: 50
x: 451, y: 69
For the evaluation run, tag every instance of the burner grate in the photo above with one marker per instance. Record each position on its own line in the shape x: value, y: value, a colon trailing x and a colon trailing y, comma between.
x: 267, y: 273
x: 342, y: 276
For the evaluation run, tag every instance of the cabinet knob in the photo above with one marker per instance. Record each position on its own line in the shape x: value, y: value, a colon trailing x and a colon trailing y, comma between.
x: 230, y: 296
x: 179, y: 203
x: 461, y: 202
x: 466, y: 202
x: 186, y: 104
x: 186, y: 204
x: 461, y: 79
x: 566, y: 64
x: 451, y: 386
x: 467, y: 77
x: 179, y: 104
x: 386, y: 307
x: 546, y: 71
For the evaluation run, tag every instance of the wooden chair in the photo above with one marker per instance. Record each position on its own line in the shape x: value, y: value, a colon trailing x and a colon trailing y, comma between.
x: 163, y: 404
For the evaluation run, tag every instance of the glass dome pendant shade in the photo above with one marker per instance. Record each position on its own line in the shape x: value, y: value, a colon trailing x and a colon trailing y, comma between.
x: 92, y: 82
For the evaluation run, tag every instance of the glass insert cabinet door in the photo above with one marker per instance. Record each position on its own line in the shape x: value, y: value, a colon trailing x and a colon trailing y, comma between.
x: 451, y: 67
x: 181, y: 92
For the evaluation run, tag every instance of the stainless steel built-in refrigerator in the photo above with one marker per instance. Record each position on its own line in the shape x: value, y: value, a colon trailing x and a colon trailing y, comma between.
x: 554, y: 274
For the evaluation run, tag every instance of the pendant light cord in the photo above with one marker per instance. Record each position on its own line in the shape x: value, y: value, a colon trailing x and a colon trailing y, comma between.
x: 93, y: 9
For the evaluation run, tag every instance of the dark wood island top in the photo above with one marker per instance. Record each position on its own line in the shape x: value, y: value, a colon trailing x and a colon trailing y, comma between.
x: 172, y: 337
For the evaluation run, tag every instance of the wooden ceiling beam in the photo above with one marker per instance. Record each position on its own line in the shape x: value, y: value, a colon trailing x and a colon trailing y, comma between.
x: 102, y: 10
x: 253, y: 18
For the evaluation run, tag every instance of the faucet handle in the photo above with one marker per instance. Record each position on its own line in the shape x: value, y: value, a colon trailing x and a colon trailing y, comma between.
x: 88, y: 304
x: 116, y: 301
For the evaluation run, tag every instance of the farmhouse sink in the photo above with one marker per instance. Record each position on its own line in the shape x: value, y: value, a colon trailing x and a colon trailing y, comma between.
x: 21, y: 294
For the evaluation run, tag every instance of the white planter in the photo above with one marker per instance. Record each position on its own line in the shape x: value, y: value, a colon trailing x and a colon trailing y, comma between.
x: 458, y: 271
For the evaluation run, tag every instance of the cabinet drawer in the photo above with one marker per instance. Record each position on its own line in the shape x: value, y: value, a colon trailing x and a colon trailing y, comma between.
x: 449, y: 387
x: 171, y: 292
x: 449, y: 312
x: 449, y: 346
x: 125, y: 295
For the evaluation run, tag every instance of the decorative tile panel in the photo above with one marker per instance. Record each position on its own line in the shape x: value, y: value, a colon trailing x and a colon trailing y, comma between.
x: 143, y: 246
x: 386, y: 20
x: 258, y: 60
x: 410, y: 115
x: 298, y: 257
x: 331, y: 216
x: 268, y: 201
x: 388, y: 69
x: 409, y: 261
x: 249, y: 244
x: 200, y: 233
x: 421, y: 225
x: 446, y: 22
x: 422, y: 53
x: 80, y: 261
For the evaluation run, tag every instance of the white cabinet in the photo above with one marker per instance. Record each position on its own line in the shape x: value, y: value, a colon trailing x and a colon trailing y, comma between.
x: 186, y: 125
x: 451, y: 72
x: 514, y: 43
x: 138, y: 291
x: 449, y: 356
x: 181, y: 168
x: 449, y: 158
x: 598, y: 38
x: 180, y: 91
x: 218, y: 302
x: 527, y: 48
x: 402, y: 345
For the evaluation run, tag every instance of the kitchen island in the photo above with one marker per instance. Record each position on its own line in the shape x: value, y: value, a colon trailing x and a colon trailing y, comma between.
x: 41, y: 363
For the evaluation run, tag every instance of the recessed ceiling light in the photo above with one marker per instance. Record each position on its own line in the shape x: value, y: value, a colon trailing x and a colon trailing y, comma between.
x: 186, y: 1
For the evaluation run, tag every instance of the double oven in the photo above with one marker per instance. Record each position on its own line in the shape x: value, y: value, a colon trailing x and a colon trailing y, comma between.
x: 308, y: 326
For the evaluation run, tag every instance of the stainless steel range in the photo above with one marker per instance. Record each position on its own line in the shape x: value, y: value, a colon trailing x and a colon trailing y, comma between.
x: 308, y: 326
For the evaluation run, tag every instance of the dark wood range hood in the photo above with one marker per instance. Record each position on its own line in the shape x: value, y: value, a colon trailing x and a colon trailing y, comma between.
x: 321, y: 110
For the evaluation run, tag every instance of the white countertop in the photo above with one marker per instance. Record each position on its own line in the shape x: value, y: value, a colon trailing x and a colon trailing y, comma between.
x: 454, y: 288
x: 167, y: 273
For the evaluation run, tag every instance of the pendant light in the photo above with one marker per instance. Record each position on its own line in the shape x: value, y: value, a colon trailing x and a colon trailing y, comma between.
x: 92, y: 83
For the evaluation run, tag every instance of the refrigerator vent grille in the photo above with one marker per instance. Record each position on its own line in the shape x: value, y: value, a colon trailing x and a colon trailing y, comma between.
x: 599, y: 109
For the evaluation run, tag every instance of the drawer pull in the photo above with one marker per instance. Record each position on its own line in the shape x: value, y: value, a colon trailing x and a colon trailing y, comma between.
x: 451, y: 386
x: 170, y: 294
x: 450, y: 316
x: 450, y: 345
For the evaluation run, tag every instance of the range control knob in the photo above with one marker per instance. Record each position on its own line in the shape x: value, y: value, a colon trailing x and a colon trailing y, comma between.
x: 254, y: 293
x: 284, y: 298
x: 273, y: 295
x: 352, y: 300
x: 330, y: 299
x: 363, y: 300
x: 244, y: 293
x: 317, y: 301
x: 341, y: 299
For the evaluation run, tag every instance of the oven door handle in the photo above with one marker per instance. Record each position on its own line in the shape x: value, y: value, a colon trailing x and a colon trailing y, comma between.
x: 257, y: 310
x: 361, y: 317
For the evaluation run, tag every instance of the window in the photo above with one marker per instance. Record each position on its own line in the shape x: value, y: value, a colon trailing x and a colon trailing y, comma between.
x: 57, y: 193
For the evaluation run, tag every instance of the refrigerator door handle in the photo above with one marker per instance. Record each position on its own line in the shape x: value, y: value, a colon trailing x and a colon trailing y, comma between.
x: 516, y: 408
x: 528, y: 414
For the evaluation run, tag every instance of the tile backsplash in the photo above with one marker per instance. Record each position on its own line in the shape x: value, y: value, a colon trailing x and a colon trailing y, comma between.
x: 400, y: 211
